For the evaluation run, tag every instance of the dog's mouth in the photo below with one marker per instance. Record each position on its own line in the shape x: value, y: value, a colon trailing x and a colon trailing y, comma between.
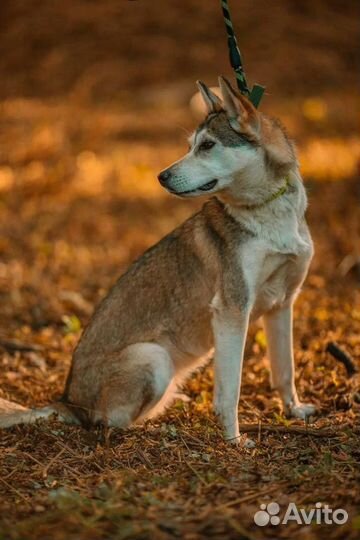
x: 209, y: 185
x: 205, y: 187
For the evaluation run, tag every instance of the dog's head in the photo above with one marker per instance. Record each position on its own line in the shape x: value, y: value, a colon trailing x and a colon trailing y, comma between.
x: 237, y: 151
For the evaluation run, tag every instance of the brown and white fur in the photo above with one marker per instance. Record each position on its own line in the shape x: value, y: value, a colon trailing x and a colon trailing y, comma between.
x: 243, y: 256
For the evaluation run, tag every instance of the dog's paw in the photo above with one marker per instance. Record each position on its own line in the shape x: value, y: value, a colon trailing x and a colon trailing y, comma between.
x: 241, y: 441
x: 234, y: 440
x: 302, y: 410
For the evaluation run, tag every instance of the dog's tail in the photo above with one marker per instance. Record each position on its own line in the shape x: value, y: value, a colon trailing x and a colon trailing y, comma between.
x: 12, y: 414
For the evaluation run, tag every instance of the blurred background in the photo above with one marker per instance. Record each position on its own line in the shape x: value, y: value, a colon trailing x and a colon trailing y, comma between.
x: 94, y: 102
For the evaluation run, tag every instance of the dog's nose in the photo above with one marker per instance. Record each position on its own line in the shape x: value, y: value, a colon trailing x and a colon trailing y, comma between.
x: 164, y: 176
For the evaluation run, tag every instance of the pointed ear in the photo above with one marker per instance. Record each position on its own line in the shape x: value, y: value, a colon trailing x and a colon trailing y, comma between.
x: 237, y: 106
x: 279, y: 149
x: 212, y: 102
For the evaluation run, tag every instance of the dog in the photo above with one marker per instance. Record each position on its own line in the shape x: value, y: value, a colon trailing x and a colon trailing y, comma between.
x: 244, y: 255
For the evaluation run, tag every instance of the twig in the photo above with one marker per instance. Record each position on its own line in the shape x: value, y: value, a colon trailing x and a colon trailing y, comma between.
x: 51, y: 462
x: 245, y: 534
x: 77, y: 301
x: 65, y: 465
x: 195, y: 440
x: 197, y: 474
x: 338, y: 353
x: 144, y: 458
x: 299, y: 430
x: 253, y: 496
x: 18, y: 493
x: 15, y: 345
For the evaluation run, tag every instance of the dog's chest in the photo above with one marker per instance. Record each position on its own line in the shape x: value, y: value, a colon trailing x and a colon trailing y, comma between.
x: 275, y: 267
x: 275, y: 284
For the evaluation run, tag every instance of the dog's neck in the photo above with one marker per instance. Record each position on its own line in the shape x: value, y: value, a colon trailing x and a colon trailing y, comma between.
x: 275, y: 195
x: 276, y: 211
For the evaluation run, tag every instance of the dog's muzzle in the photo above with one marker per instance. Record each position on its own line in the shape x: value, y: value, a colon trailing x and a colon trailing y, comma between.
x: 165, y: 180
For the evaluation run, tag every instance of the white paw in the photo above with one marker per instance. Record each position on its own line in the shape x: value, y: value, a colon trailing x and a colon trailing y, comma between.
x: 234, y: 440
x: 241, y: 440
x: 302, y: 410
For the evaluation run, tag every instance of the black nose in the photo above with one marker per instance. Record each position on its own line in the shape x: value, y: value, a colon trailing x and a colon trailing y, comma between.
x: 164, y: 176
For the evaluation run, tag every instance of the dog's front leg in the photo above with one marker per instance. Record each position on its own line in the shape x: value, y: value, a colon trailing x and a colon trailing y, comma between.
x: 230, y: 330
x: 278, y: 328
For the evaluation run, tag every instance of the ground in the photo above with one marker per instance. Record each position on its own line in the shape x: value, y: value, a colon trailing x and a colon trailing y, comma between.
x: 86, y: 124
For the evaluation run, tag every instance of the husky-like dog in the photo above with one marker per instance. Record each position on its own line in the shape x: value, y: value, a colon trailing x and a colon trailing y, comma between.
x: 244, y: 255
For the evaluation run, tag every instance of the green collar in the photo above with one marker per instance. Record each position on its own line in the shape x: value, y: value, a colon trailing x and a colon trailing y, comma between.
x: 272, y: 197
x: 279, y: 192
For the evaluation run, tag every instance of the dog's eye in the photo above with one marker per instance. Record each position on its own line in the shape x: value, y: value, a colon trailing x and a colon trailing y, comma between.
x: 206, y: 145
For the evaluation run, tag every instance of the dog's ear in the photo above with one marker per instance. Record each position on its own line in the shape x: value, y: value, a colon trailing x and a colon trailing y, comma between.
x: 212, y: 102
x: 279, y: 149
x: 239, y: 109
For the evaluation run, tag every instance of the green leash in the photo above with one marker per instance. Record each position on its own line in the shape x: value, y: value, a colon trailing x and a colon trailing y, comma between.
x: 257, y: 91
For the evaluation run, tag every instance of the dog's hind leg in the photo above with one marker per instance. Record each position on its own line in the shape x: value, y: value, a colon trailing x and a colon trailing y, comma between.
x: 139, y: 383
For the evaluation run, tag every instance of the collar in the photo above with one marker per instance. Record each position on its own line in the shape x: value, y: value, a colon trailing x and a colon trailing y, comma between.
x: 281, y: 191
